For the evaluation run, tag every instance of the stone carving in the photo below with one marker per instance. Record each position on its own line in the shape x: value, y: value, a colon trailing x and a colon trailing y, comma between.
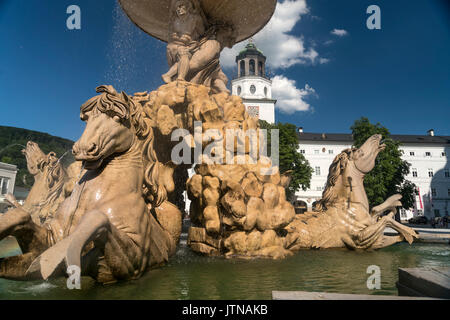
x: 343, y: 218
x: 238, y: 212
x: 236, y: 209
x: 117, y: 222
x: 53, y: 182
x: 193, y: 52
x: 197, y: 31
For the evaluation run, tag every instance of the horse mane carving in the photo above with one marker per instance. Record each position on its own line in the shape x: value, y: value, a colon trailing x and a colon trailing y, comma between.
x: 329, y: 195
x: 55, y: 178
x: 120, y: 105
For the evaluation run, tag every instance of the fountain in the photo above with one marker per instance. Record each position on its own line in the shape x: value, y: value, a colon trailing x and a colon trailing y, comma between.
x: 117, y: 222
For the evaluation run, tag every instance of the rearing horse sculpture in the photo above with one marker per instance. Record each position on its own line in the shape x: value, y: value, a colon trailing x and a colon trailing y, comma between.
x: 107, y: 226
x: 53, y: 182
x: 343, y: 218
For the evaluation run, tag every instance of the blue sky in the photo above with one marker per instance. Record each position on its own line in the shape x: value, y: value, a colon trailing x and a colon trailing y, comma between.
x: 399, y: 75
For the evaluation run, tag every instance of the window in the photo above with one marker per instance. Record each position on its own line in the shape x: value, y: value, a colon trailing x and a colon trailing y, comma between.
x: 265, y: 91
x: 403, y: 213
x: 316, y: 151
x: 4, y: 182
x: 330, y: 151
x: 430, y: 173
x: 447, y: 173
x: 319, y: 189
x: 427, y: 154
x: 239, y: 90
x: 317, y: 171
x: 437, y: 213
x: 252, y: 67
x: 433, y: 192
x: 414, y: 172
x: 302, y: 151
x: 252, y: 89
x: 260, y: 69
x: 412, y: 154
x: 242, y: 68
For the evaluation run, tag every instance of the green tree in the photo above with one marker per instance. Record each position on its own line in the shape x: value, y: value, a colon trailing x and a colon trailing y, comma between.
x: 388, y: 176
x: 290, y: 156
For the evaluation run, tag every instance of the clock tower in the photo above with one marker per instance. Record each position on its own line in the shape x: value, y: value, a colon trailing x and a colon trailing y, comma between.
x: 252, y: 84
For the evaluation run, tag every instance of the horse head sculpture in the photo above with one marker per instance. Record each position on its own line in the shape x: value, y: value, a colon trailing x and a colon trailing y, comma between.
x: 112, y: 125
x: 347, y: 172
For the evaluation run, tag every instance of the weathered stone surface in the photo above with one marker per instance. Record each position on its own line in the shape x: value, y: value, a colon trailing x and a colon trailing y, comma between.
x: 200, y: 235
x: 240, y: 196
x: 204, y: 249
x: 424, y: 282
x: 251, y: 185
x: 170, y: 219
x: 304, y: 295
x: 256, y: 244
x: 166, y: 120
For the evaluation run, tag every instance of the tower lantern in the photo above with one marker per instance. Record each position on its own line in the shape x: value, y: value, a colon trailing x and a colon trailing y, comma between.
x: 253, y: 85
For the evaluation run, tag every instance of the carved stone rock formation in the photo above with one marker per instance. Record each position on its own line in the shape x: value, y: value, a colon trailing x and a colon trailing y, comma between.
x: 236, y: 209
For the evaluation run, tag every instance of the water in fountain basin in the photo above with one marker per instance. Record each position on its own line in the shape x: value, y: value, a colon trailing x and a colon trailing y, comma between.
x: 189, y: 276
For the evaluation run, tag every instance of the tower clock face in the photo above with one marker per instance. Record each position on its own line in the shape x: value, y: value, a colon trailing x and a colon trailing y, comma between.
x: 252, y: 89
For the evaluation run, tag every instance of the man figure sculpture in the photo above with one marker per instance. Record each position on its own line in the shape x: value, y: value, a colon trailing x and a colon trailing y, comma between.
x: 194, y: 47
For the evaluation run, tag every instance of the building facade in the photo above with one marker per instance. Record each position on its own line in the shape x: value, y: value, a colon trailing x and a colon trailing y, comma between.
x: 428, y: 155
x: 8, y: 174
x: 252, y: 84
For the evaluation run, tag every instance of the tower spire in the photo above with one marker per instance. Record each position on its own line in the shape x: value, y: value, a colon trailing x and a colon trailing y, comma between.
x: 252, y: 83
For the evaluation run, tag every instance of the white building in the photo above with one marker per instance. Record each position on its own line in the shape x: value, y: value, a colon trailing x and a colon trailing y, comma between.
x: 428, y: 155
x: 252, y: 85
x: 7, y: 181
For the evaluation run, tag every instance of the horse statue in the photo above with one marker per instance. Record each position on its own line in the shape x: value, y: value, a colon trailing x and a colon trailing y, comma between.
x: 343, y: 218
x: 108, y: 227
x: 52, y: 183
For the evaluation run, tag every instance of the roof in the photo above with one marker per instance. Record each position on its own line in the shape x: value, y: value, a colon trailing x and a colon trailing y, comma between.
x: 7, y: 166
x: 345, y: 137
x: 250, y: 50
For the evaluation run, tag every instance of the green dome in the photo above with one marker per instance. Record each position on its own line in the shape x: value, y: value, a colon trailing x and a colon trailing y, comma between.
x: 250, y: 50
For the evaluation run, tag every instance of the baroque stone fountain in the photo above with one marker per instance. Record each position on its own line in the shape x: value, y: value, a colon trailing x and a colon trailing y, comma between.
x: 112, y: 214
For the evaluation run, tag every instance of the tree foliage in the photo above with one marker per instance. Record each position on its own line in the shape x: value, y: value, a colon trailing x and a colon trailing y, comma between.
x: 290, y: 156
x: 13, y: 140
x: 388, y: 176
